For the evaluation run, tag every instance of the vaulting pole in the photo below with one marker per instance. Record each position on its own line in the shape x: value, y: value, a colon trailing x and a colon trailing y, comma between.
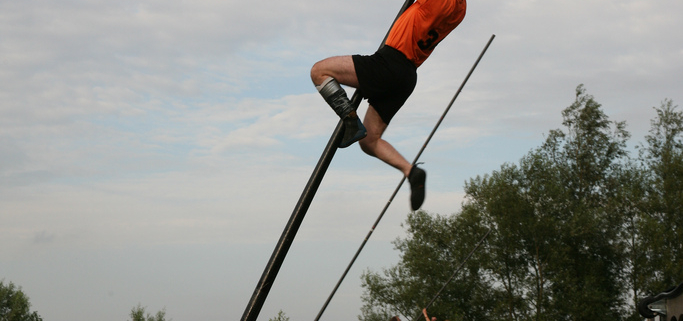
x: 384, y: 210
x: 258, y: 298
x: 273, y: 267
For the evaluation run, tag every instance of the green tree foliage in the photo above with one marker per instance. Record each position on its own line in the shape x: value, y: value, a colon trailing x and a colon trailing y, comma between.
x: 575, y: 226
x: 630, y: 200
x: 428, y: 255
x: 584, y: 264
x: 138, y: 313
x: 15, y: 305
x: 661, y: 225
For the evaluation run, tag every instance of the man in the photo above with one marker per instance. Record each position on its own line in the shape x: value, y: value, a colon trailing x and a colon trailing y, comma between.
x: 424, y: 312
x: 387, y: 78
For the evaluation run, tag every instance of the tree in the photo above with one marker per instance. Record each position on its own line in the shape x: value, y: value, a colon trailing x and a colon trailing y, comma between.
x: 587, y: 261
x: 429, y: 256
x: 661, y: 225
x: 138, y: 313
x: 15, y: 305
x: 556, y: 251
x: 631, y: 201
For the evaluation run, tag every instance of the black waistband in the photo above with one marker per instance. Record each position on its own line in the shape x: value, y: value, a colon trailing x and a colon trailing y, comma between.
x: 395, y: 55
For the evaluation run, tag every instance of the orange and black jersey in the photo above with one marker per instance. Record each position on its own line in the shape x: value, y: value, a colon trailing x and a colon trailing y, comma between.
x: 423, y: 25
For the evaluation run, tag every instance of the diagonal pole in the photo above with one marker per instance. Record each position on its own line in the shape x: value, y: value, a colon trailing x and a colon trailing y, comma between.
x: 264, y: 285
x: 386, y: 207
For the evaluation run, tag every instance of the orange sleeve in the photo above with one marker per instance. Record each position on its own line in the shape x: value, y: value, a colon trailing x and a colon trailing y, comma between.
x: 423, y: 25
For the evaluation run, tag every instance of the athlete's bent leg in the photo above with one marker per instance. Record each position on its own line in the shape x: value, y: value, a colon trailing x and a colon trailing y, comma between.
x: 327, y: 76
x: 340, y: 68
x: 374, y: 145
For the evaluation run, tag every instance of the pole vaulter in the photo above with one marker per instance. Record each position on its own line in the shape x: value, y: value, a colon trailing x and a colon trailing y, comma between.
x: 258, y: 298
x: 386, y: 207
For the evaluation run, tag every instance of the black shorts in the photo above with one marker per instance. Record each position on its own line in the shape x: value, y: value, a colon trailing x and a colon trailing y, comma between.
x: 386, y: 79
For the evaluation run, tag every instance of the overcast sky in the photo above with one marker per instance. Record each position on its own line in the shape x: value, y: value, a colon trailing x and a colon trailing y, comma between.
x: 152, y: 151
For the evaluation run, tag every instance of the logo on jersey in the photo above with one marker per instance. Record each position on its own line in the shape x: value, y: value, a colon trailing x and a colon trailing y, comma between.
x: 429, y: 43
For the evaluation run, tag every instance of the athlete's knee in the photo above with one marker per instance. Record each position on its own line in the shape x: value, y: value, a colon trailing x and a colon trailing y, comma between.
x: 318, y: 73
x: 315, y: 72
x: 368, y: 145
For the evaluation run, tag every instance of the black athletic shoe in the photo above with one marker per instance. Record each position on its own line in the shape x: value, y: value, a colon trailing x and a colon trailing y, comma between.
x: 417, y: 178
x: 353, y: 131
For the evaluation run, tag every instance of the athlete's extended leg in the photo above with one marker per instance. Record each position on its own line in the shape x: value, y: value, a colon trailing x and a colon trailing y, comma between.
x: 374, y: 145
x: 327, y: 75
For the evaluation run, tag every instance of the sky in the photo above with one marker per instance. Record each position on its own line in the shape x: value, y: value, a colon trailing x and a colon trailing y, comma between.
x: 151, y: 152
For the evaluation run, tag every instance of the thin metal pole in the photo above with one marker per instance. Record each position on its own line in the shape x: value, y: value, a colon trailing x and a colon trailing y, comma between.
x: 258, y: 298
x: 455, y: 272
x: 384, y: 210
x: 454, y: 98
